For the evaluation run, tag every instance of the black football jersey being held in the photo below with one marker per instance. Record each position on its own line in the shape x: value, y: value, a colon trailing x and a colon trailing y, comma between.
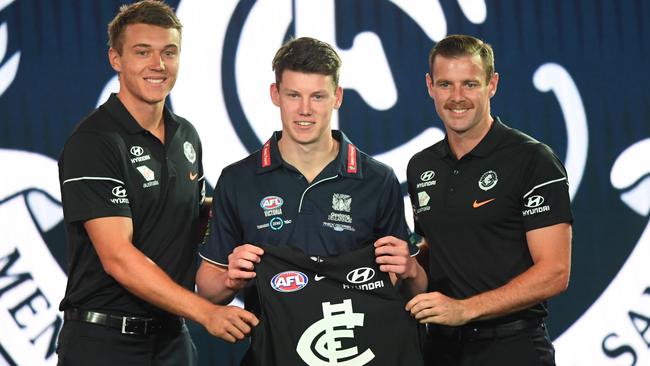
x: 329, y: 311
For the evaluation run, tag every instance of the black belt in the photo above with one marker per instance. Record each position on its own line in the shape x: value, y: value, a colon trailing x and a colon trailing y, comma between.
x: 133, y: 325
x: 480, y: 332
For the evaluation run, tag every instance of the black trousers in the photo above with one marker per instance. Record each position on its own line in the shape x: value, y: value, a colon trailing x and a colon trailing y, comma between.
x: 529, y: 347
x: 95, y: 345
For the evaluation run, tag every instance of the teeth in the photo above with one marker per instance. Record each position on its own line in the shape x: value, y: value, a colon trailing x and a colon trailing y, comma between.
x: 459, y: 110
x: 155, y: 81
x: 304, y: 123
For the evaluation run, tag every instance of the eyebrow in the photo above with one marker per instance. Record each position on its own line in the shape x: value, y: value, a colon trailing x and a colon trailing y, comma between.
x: 146, y: 45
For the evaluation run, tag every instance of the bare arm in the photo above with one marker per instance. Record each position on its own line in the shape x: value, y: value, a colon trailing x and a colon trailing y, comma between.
x: 112, y: 239
x: 550, y: 249
x: 220, y: 284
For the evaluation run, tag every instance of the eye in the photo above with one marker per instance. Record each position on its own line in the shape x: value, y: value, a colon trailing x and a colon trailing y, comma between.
x: 142, y: 53
x: 318, y: 97
x: 443, y: 84
x: 471, y: 84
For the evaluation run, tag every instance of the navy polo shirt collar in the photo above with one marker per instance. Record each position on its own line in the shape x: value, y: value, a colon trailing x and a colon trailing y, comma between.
x: 348, y: 161
x: 488, y: 144
x: 119, y: 113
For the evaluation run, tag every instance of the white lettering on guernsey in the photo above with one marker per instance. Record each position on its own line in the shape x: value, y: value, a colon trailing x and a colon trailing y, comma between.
x: 140, y: 159
x: 119, y: 200
x: 365, y: 287
x: 533, y: 211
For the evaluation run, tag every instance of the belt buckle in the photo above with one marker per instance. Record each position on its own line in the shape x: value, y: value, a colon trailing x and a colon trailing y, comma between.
x: 125, y: 322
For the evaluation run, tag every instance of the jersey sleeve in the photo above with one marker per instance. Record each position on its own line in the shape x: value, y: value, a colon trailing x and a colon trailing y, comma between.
x: 224, y: 230
x: 391, y: 212
x: 92, y: 179
x: 545, y: 199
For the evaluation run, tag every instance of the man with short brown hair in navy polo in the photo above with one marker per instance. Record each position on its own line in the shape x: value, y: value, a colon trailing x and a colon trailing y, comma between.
x: 493, y: 206
x: 308, y: 186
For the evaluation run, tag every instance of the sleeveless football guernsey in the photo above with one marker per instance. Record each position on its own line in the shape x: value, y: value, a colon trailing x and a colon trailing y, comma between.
x: 326, y: 311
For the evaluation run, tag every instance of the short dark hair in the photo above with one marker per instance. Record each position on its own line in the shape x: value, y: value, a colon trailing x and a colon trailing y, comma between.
x: 307, y: 55
x: 150, y: 12
x: 456, y: 45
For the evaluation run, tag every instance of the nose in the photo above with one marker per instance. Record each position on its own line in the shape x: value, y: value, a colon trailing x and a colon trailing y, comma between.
x: 305, y: 107
x: 457, y: 94
x: 157, y: 62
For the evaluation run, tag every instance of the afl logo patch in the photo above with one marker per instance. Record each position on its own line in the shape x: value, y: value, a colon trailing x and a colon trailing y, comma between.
x: 271, y: 202
x: 289, y: 281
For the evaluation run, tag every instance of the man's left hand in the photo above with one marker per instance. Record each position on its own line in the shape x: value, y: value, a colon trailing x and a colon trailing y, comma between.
x: 437, y: 308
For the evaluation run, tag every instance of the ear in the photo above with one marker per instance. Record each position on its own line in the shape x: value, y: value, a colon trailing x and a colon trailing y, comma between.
x: 429, y: 82
x: 114, y: 59
x: 338, y: 94
x: 494, y: 82
x: 275, y: 94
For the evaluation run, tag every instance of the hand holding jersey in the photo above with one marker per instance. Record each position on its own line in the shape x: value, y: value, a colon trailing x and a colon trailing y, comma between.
x: 241, y: 265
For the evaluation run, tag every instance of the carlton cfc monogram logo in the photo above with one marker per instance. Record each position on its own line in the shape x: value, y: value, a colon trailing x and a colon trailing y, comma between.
x: 325, y: 336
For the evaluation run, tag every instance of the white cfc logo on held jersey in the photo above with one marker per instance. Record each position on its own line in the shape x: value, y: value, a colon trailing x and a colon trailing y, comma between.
x: 325, y: 335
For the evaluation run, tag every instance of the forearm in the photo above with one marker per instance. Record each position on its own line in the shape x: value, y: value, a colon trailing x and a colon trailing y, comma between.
x: 414, y: 285
x: 538, y: 283
x: 211, y: 283
x: 142, y: 277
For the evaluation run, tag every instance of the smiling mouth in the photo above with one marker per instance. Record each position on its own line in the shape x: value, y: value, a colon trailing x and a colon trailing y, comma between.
x: 304, y: 123
x: 155, y: 81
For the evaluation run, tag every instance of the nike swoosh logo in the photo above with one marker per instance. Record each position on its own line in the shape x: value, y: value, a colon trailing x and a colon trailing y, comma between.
x: 479, y: 204
x: 318, y: 278
x: 193, y: 176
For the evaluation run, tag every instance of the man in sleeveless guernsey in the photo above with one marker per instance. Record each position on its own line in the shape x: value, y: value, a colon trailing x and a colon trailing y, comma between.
x: 308, y: 187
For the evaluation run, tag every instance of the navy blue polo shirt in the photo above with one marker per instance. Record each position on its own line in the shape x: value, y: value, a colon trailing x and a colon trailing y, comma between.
x: 262, y: 200
x: 475, y: 212
x: 111, y: 166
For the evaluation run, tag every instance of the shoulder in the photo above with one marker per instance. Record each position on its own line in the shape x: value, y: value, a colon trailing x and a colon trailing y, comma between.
x: 427, y: 154
x: 241, y: 169
x: 525, y: 144
x: 97, y: 130
x: 375, y: 168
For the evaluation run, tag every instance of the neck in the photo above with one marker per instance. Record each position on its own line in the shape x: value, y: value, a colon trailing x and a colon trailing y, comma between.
x: 309, y: 159
x: 462, y: 143
x: 148, y: 115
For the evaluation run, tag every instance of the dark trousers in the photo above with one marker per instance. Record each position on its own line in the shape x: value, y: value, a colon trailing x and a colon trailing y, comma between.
x: 529, y: 347
x: 95, y: 345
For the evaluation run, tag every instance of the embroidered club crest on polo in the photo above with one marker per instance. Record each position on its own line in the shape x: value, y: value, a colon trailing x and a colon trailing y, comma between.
x: 190, y: 154
x: 341, y: 202
x: 488, y: 180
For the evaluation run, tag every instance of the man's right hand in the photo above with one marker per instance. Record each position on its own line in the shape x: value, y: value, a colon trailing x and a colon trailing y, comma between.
x: 230, y: 323
x: 241, y: 265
